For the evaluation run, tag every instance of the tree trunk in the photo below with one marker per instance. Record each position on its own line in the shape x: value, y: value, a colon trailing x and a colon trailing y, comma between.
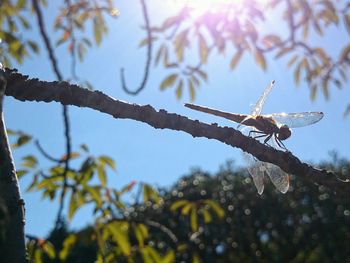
x: 12, y: 241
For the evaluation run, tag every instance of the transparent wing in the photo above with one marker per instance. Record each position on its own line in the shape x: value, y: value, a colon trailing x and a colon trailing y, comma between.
x: 256, y: 170
x: 279, y: 178
x: 296, y: 120
x: 259, y: 105
x: 255, y: 167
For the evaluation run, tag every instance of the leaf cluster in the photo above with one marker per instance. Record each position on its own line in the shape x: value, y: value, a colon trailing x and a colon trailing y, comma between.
x: 235, y: 29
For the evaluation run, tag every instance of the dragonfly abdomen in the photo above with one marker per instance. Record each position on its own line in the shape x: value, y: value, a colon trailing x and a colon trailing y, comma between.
x: 230, y: 116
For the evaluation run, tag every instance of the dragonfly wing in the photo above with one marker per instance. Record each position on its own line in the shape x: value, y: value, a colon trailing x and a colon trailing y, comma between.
x: 279, y: 178
x: 296, y: 120
x: 256, y: 170
x: 259, y: 105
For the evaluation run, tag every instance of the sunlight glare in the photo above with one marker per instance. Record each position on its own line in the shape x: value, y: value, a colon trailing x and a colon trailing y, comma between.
x: 199, y: 7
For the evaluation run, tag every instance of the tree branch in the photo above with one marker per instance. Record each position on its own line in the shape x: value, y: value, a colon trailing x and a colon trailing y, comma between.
x: 25, y: 89
x: 13, y: 247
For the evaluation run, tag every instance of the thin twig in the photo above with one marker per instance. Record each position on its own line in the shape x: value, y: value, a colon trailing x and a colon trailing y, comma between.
x: 149, y: 56
x: 45, y: 154
x: 54, y: 65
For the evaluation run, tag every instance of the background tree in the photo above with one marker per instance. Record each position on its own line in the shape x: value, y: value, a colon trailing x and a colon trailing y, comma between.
x: 117, y: 234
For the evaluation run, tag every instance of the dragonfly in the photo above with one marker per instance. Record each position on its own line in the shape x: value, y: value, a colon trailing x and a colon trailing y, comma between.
x: 270, y: 129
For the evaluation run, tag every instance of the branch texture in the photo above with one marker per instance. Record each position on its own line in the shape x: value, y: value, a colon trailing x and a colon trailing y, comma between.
x: 25, y: 89
x: 12, y: 246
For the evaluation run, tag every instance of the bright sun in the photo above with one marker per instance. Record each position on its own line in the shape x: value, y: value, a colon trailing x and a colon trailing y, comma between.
x: 201, y: 6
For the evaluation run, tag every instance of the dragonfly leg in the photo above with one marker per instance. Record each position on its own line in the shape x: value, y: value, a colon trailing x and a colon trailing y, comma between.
x: 267, y: 138
x: 254, y: 131
x: 260, y: 136
x: 281, y: 144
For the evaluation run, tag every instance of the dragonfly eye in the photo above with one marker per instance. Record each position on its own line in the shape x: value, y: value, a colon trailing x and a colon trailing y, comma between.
x: 284, y: 133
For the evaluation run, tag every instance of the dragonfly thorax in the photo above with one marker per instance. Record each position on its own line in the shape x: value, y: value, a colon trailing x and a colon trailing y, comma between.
x: 283, y: 133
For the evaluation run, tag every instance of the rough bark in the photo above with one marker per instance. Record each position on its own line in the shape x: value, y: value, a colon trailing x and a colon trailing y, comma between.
x: 25, y: 89
x: 12, y: 248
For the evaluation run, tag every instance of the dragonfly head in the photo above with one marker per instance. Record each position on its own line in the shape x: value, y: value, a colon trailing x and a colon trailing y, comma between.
x: 284, y: 133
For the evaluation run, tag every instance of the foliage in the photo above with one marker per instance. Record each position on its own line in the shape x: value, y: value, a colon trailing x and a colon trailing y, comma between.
x: 201, y: 218
x: 241, y: 27
x: 12, y: 21
x: 232, y: 29
x: 312, y: 224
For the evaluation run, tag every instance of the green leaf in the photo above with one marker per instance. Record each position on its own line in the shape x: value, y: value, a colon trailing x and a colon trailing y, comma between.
x: 48, y: 182
x: 32, y: 185
x: 283, y: 51
x: 102, y: 175
x: 203, y: 49
x: 194, y: 220
x: 235, y: 59
x: 154, y: 254
x: 84, y: 147
x: 195, y: 258
x: 206, y: 215
x: 95, y: 194
x: 297, y: 72
x: 38, y: 256
x: 159, y: 54
x: 97, y: 31
x: 76, y: 201
x: 29, y: 161
x: 344, y: 55
x: 81, y: 51
x: 170, y: 22
x: 202, y: 74
x: 186, y: 209
x: 67, y: 245
x: 141, y: 233
x: 22, y: 140
x: 105, y: 160
x: 119, y: 231
x: 11, y: 132
x: 49, y: 250
x: 216, y: 207
x: 177, y: 204
x: 347, y: 111
x: 292, y: 61
x: 150, y: 194
x: 146, y: 257
x: 72, y: 155
x: 168, y: 81
x: 260, y: 59
x: 24, y: 22
x: 347, y: 22
x: 34, y: 46
x: 21, y: 4
x: 325, y: 89
x: 169, y: 257
x: 146, y: 41
x: 313, y: 92
x: 21, y: 173
x: 192, y: 90
x: 179, y: 90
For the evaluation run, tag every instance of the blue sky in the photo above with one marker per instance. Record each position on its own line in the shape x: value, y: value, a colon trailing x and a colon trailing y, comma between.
x: 160, y: 157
